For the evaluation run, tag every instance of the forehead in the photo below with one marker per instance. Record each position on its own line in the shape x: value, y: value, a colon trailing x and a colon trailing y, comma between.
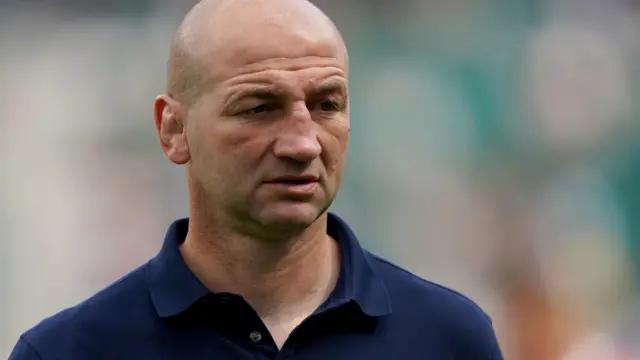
x: 292, y: 40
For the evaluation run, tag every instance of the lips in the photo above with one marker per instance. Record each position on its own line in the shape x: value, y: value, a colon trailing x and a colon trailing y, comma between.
x: 299, y: 186
x: 294, y: 180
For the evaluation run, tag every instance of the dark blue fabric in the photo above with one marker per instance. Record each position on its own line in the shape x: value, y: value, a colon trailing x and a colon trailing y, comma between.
x: 162, y: 311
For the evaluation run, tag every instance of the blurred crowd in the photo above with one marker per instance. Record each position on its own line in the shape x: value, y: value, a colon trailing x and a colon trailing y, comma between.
x: 495, y: 150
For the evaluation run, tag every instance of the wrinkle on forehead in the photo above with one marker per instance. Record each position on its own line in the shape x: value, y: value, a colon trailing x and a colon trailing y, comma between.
x: 219, y: 36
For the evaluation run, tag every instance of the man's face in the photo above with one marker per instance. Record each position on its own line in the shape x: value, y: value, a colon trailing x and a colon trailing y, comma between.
x: 268, y: 138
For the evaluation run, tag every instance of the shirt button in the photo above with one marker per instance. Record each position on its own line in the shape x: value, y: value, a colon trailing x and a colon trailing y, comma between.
x: 255, y: 336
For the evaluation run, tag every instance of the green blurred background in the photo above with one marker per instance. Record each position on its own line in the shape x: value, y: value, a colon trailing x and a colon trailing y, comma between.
x: 495, y: 150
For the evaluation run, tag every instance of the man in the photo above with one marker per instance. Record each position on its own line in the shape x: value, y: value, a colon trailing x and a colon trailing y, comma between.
x: 257, y: 112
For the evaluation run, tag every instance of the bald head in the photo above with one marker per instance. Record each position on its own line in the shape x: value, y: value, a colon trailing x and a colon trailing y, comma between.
x: 217, y: 37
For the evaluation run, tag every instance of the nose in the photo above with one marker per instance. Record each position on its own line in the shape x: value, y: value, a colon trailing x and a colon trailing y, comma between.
x: 298, y: 138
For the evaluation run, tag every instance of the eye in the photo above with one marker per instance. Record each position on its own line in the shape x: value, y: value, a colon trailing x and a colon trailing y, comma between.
x: 258, y: 109
x: 328, y: 106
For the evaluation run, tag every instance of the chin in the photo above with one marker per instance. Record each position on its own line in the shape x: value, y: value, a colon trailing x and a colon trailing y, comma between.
x: 292, y: 217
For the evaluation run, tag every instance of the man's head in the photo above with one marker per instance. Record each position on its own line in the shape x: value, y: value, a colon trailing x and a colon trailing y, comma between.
x: 257, y: 110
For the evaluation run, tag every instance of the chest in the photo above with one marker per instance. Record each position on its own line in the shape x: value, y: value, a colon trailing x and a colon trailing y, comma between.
x: 344, y: 338
x: 257, y: 346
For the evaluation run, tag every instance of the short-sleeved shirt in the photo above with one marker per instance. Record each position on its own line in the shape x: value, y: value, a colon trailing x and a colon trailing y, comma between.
x: 162, y: 311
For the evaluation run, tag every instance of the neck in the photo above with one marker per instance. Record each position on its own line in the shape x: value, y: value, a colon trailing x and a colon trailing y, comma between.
x: 274, y: 277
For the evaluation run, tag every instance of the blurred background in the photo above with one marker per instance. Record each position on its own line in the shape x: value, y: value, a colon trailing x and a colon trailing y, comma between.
x: 495, y: 150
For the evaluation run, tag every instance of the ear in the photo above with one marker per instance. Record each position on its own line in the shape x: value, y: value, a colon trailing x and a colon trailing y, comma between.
x: 171, y: 129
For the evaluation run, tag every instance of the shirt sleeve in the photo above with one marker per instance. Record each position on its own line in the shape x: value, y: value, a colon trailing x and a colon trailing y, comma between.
x: 493, y: 345
x: 24, y: 351
x: 475, y: 338
x: 497, y: 351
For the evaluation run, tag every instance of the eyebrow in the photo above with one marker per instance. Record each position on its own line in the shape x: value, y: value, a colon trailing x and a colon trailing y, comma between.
x: 261, y: 93
x: 257, y: 93
x: 329, y: 88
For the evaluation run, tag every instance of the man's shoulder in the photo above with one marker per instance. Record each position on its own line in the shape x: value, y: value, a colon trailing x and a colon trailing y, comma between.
x: 430, y: 295
x: 430, y: 307
x: 112, y: 308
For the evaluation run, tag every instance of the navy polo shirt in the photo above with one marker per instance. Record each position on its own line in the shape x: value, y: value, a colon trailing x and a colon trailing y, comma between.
x: 161, y: 311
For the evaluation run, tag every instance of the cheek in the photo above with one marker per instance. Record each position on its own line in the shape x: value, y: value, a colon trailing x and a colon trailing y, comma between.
x: 335, y: 144
x: 207, y: 147
x: 241, y: 150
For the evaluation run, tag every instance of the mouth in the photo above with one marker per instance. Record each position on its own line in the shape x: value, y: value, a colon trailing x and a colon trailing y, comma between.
x: 301, y: 187
x: 294, y: 180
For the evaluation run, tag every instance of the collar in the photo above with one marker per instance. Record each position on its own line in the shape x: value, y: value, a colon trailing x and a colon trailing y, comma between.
x: 174, y: 288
